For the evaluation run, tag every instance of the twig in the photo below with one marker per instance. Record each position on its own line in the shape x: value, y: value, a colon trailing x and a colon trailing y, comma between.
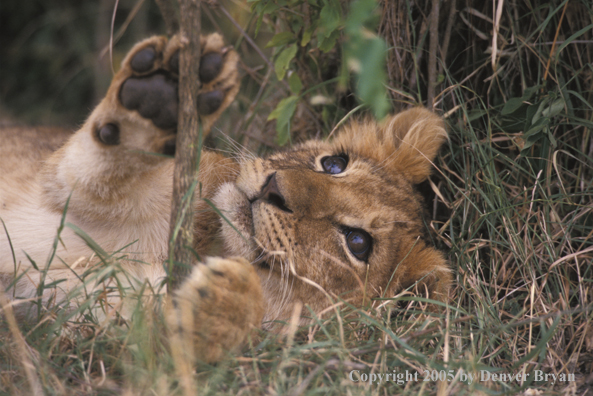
x: 246, y: 36
x: 554, y: 44
x: 432, y: 52
x: 169, y: 14
x: 186, y: 158
x: 111, y: 35
x: 115, y: 38
x: 186, y: 168
x: 495, y: 29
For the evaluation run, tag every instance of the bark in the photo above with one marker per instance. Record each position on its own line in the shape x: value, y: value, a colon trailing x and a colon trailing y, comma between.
x: 181, y: 254
x: 169, y: 14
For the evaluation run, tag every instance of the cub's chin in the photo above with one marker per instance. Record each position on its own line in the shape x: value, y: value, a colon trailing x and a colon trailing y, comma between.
x: 235, y: 207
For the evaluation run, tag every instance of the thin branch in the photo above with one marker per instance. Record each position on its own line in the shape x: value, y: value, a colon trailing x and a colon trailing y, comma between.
x: 169, y: 14
x: 187, y: 157
x: 432, y: 52
x: 187, y: 146
x: 554, y: 42
x: 122, y: 29
x: 246, y: 36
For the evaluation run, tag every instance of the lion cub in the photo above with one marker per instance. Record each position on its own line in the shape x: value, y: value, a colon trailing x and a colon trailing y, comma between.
x: 323, y: 221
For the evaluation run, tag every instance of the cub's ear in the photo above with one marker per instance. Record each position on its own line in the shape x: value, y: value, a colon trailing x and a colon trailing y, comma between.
x: 407, y: 143
x: 417, y: 135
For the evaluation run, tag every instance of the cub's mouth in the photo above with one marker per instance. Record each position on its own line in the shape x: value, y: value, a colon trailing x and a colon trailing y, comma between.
x: 248, y: 207
x: 269, y: 209
x: 270, y: 193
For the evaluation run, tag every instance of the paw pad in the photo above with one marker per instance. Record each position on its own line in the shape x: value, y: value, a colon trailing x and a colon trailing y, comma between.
x: 174, y: 63
x: 108, y: 134
x: 209, y: 102
x: 210, y: 66
x: 152, y: 78
x: 154, y: 97
x: 143, y: 61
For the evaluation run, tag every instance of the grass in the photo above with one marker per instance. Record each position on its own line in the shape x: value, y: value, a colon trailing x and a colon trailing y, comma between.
x: 511, y: 202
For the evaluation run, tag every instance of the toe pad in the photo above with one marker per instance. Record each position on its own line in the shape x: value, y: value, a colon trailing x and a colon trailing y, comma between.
x: 154, y: 97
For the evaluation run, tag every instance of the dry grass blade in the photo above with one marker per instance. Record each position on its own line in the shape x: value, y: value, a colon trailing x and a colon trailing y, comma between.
x: 26, y: 362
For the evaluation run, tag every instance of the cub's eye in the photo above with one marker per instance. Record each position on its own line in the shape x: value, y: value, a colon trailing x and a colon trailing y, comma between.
x: 334, y: 164
x: 359, y: 242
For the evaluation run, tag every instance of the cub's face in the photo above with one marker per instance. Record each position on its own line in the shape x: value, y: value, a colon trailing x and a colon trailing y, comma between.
x: 339, y: 218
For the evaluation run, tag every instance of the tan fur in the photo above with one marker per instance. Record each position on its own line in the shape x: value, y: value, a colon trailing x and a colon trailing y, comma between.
x: 375, y: 193
x: 120, y: 194
x: 116, y: 194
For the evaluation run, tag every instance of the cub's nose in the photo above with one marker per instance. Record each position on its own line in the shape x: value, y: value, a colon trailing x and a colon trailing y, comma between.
x: 271, y: 194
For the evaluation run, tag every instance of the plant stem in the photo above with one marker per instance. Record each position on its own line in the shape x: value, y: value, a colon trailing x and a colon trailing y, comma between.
x: 187, y: 147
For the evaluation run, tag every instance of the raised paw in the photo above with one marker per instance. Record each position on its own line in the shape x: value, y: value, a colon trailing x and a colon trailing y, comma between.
x: 147, y: 84
x: 214, y: 310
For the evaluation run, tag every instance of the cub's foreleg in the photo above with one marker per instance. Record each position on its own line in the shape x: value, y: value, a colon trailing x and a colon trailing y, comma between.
x: 112, y: 166
x: 115, y: 173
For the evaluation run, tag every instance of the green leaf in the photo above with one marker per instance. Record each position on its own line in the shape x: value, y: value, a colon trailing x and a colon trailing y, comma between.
x: 296, y: 23
x: 295, y: 83
x: 281, y: 39
x: 283, y: 114
x: 362, y: 15
x: 529, y: 114
x: 364, y: 54
x: 551, y: 138
x: 372, y: 76
x: 283, y: 60
x: 533, y: 134
x: 327, y: 43
x: 307, y: 34
x: 278, y: 112
x: 511, y: 106
x: 528, y: 93
x: 539, y: 111
x: 261, y: 9
x: 554, y: 109
x: 329, y: 18
x: 475, y: 114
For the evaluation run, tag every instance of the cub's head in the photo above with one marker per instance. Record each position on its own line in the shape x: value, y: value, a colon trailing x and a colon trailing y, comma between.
x: 340, y: 215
